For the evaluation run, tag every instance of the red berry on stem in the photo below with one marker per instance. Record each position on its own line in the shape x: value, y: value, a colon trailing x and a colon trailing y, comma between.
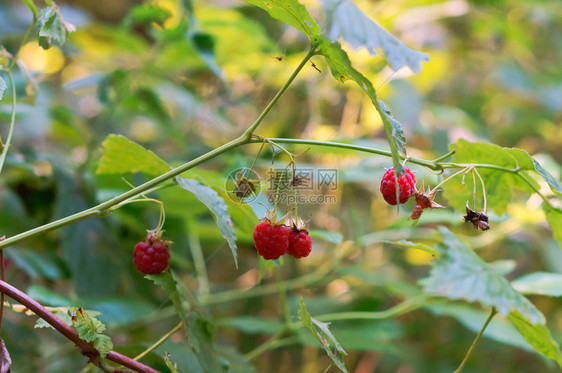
x: 300, y: 243
x: 406, y: 184
x: 151, y: 258
x: 271, y: 240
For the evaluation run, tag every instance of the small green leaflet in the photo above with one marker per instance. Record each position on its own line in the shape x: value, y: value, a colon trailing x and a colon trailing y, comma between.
x: 341, y: 69
x: 52, y: 27
x: 210, y: 198
x: 324, y: 336
x: 538, y: 336
x: 547, y: 176
x: 172, y: 366
x: 292, y: 13
x: 90, y: 329
x: 121, y: 156
x: 349, y: 22
x: 3, y: 87
x: 460, y: 274
x: 540, y: 283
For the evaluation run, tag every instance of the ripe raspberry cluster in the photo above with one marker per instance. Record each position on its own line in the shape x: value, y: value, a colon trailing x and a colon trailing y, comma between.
x: 406, y: 185
x: 274, y: 240
x: 151, y: 255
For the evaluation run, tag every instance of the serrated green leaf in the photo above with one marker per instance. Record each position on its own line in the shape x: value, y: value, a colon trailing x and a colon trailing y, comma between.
x: 341, y: 69
x: 210, y: 198
x: 3, y: 87
x: 498, y: 183
x: 52, y: 27
x: 171, y: 366
x: 554, y: 218
x: 291, y: 12
x: 349, y: 22
x: 538, y: 336
x: 90, y: 329
x: 397, y: 130
x: 460, y: 274
x: 541, y: 283
x: 61, y: 312
x: 121, y: 156
x: 547, y: 176
x: 31, y: 6
x: 324, y: 336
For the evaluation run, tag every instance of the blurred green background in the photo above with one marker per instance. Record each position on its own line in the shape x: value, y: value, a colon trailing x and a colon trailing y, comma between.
x: 494, y: 75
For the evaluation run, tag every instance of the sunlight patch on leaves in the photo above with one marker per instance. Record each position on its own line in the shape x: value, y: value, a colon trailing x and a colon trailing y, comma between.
x: 291, y: 12
x: 540, y: 283
x: 349, y: 22
x: 121, y: 156
x: 460, y: 274
x: 210, y: 198
x: 324, y: 336
x: 538, y: 336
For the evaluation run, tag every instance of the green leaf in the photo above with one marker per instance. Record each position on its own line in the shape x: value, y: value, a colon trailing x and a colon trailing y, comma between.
x: 291, y: 12
x: 324, y: 336
x: 218, y: 207
x: 349, y: 22
x: 61, y: 312
x: 460, y: 274
x: 121, y: 156
x: 252, y: 324
x: 541, y: 283
x: 3, y: 87
x: 31, y: 6
x: 498, y: 183
x: 90, y: 329
x: 145, y: 14
x: 538, y: 336
x: 172, y: 366
x: 52, y: 27
x: 547, y: 176
x: 341, y: 69
x: 554, y: 218
x: 397, y: 131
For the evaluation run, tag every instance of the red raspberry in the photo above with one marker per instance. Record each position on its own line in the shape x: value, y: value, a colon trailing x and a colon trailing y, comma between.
x: 406, y: 183
x: 300, y: 243
x: 151, y: 258
x: 271, y: 240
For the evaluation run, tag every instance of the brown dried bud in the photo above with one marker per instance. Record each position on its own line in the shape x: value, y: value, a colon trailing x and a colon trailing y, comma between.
x: 478, y: 219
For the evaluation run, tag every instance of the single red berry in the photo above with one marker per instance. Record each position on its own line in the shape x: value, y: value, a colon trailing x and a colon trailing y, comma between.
x: 300, y: 243
x: 151, y: 258
x: 271, y: 240
x: 406, y: 183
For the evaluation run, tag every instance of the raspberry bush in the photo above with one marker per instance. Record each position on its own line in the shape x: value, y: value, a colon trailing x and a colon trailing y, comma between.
x: 224, y: 130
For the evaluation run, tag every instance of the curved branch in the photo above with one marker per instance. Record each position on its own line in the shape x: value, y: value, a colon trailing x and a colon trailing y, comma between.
x: 86, y: 348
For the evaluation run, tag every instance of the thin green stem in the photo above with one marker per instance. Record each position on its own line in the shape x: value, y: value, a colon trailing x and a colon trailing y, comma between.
x: 12, y: 122
x: 525, y: 178
x: 283, y: 297
x: 475, y: 342
x: 24, y: 40
x: 159, y: 342
x: 247, y: 135
x: 483, y: 188
x: 198, y: 260
x: 103, y: 208
x: 450, y: 177
x: 266, y: 345
x: 422, y: 162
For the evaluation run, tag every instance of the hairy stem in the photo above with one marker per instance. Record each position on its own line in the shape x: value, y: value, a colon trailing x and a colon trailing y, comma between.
x: 12, y: 122
x: 475, y: 342
x: 248, y: 133
x: 86, y: 348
